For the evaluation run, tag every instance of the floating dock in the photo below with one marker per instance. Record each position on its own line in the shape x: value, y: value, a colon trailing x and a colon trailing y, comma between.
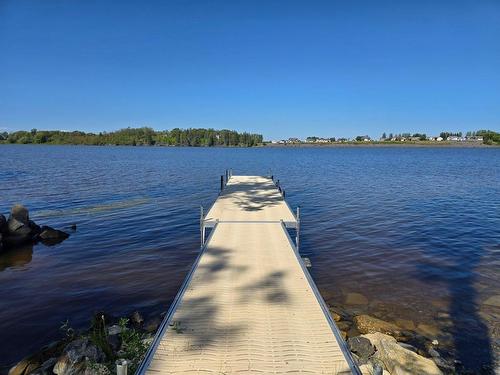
x: 249, y: 305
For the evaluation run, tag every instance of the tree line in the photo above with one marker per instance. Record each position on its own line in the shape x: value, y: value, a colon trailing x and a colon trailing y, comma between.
x: 136, y: 137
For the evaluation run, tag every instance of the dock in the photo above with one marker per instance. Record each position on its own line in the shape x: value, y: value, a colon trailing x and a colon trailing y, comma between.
x: 248, y: 305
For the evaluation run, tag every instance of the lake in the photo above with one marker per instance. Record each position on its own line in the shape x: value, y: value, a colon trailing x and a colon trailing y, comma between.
x: 416, y: 231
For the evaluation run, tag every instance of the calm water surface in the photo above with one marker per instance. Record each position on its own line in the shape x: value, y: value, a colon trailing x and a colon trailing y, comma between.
x: 416, y: 231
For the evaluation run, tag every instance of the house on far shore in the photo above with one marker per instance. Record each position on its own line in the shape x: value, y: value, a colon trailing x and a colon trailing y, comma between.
x: 439, y: 139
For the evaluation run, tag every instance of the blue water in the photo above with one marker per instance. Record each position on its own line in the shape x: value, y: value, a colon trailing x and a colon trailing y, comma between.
x: 415, y: 230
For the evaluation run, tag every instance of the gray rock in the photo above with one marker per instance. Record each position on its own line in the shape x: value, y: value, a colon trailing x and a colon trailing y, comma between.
x: 20, y: 213
x: 361, y: 346
x: 114, y: 330
x: 48, y: 233
x: 47, y: 366
x: 398, y: 360
x: 76, y: 354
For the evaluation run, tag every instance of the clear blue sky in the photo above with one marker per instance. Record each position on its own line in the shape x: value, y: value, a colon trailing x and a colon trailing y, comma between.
x: 281, y: 68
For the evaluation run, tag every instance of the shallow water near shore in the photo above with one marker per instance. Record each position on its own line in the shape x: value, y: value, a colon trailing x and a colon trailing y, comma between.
x: 409, y: 235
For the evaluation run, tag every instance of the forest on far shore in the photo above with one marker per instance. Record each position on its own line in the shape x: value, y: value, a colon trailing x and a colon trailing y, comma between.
x: 136, y: 137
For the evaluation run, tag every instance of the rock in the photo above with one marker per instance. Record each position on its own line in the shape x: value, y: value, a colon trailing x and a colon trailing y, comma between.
x: 152, y: 324
x: 25, y: 366
x: 114, y: 330
x: 73, y: 227
x: 361, y: 346
x: 372, y: 369
x: 443, y: 315
x: 48, y: 365
x: 75, y: 356
x: 336, y: 317
x: 428, y: 330
x: 408, y: 347
x: 3, y: 224
x: 19, y: 227
x: 434, y: 353
x: 493, y: 301
x: 344, y: 325
x: 51, y: 234
x: 343, y: 334
x: 398, y: 360
x: 355, y: 299
x: 115, y: 342
x: 369, y: 324
x: 435, y: 342
x: 20, y: 213
x: 136, y: 319
x: 405, y: 324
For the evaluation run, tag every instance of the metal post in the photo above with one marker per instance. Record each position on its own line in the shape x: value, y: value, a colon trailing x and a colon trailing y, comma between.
x: 121, y: 367
x: 221, y: 183
x: 202, y: 228
x: 278, y: 183
x: 297, y: 237
x: 283, y: 191
x: 272, y: 178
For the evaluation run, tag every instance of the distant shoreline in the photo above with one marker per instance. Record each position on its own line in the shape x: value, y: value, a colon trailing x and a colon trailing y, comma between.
x: 370, y: 144
x: 289, y: 145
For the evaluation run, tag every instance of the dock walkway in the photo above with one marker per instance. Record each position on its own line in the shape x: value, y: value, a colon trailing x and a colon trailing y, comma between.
x: 249, y: 305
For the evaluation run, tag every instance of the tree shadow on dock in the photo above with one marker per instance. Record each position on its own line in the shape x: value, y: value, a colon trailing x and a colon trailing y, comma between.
x: 471, y: 340
x: 254, y: 196
x: 272, y: 287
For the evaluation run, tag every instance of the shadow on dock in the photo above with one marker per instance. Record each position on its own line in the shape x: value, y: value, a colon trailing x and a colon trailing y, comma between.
x: 250, y: 197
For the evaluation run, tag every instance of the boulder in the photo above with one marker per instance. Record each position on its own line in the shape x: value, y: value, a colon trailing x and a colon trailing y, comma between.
x: 48, y: 233
x: 356, y: 299
x: 20, y: 213
x: 369, y: 324
x: 398, y: 360
x: 75, y: 357
x: 361, y: 346
x: 19, y: 228
x: 51, y: 236
x: 25, y: 366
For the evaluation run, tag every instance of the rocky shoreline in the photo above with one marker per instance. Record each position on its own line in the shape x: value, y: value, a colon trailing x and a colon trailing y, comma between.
x: 18, y: 230
x: 378, y: 346
x: 381, y: 347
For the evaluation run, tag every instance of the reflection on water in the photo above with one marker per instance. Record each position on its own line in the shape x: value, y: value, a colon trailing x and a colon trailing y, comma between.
x: 415, y: 232
x: 16, y: 257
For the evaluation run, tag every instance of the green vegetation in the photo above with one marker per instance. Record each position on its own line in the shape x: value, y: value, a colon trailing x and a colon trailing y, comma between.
x: 489, y: 137
x: 136, y: 137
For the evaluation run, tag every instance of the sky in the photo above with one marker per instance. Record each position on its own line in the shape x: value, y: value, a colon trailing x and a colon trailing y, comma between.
x: 279, y: 68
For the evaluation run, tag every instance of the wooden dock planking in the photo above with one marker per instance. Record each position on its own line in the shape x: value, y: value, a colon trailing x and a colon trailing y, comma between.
x: 249, y: 306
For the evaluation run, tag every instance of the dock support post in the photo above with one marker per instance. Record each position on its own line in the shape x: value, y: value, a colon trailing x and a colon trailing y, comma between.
x: 121, y: 367
x: 297, y: 232
x: 202, y: 228
x: 283, y: 191
x: 221, y: 183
